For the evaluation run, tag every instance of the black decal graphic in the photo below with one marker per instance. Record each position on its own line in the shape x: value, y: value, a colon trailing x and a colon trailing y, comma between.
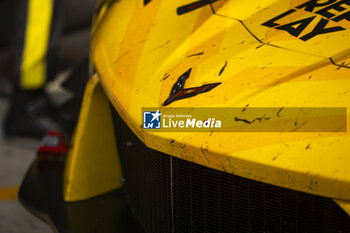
x: 343, y: 16
x: 300, y: 26
x: 178, y: 91
x: 271, y: 23
x: 145, y: 2
x: 321, y: 29
x: 193, y: 6
x: 312, y: 4
x: 329, y: 10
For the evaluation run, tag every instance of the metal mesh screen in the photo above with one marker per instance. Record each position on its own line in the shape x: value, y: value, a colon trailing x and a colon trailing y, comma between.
x: 167, y: 194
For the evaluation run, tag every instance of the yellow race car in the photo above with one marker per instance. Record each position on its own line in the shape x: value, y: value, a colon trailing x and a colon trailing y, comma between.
x: 271, y: 153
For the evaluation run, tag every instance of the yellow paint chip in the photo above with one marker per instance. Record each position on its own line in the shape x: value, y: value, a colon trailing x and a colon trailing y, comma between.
x: 8, y: 193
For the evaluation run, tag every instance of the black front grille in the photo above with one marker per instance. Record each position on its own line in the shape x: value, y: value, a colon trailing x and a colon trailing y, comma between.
x: 168, y: 194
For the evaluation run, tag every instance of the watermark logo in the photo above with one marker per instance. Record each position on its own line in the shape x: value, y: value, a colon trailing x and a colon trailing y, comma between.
x: 245, y: 119
x: 152, y: 120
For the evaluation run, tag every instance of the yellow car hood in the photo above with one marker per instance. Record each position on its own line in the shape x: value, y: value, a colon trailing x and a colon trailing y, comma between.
x: 141, y: 48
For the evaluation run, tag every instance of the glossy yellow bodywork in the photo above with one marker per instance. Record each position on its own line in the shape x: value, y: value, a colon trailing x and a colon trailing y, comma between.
x: 140, y: 51
x: 93, y: 166
x: 345, y: 205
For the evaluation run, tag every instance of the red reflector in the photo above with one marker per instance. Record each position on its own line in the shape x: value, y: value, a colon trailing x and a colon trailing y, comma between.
x: 194, y: 6
x: 52, y: 145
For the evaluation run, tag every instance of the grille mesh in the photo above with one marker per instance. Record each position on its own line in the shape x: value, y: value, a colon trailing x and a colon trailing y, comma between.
x: 206, y: 200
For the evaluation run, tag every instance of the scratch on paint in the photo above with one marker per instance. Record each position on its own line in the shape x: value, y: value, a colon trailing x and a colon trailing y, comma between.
x: 159, y: 47
x: 279, y: 112
x: 342, y: 65
x: 196, y: 54
x: 245, y: 108
x: 260, y: 119
x: 304, y: 123
x: 204, y: 154
x: 223, y: 69
x: 166, y: 76
x: 278, y: 155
